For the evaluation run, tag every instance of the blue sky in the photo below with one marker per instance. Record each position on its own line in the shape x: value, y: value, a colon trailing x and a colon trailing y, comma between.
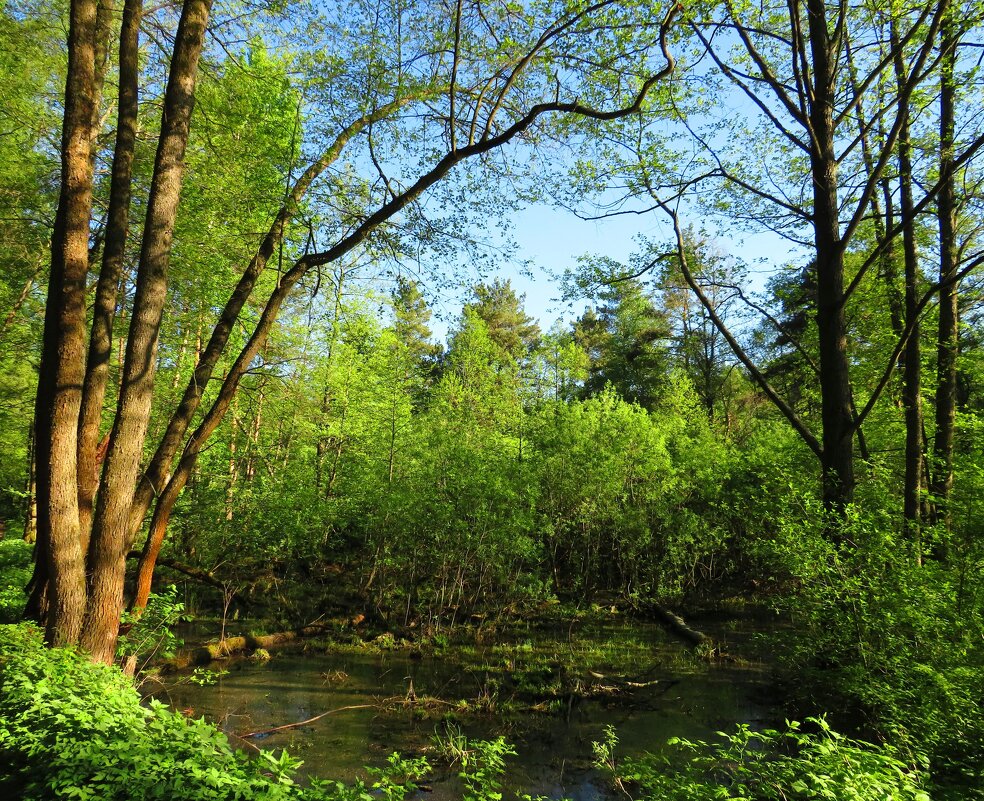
x: 551, y: 240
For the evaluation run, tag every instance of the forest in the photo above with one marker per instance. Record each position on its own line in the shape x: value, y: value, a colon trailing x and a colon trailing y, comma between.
x: 269, y: 383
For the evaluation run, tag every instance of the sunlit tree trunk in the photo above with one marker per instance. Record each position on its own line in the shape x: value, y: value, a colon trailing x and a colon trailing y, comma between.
x: 62, y: 578
x: 107, y: 288
x: 111, y: 538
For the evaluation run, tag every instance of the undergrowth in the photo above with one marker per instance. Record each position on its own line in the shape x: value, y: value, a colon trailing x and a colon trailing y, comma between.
x: 73, y: 730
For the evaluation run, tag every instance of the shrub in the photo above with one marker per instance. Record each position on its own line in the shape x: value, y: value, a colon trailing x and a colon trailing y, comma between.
x: 767, y: 766
x: 73, y: 730
x: 15, y: 572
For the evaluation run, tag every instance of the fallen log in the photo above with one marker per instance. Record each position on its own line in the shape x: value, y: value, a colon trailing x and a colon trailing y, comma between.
x: 678, y: 626
x: 231, y: 646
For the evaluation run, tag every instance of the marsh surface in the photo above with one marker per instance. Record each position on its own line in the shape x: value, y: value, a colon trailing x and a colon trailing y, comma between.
x: 550, y: 692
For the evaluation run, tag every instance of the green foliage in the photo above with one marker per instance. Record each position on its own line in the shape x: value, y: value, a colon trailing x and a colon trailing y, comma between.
x: 149, y: 633
x: 70, y: 729
x: 73, y: 730
x: 509, y: 327
x: 767, y: 765
x: 396, y: 780
x: 205, y: 677
x: 15, y: 572
x: 625, y: 339
x: 482, y: 762
x: 879, y: 634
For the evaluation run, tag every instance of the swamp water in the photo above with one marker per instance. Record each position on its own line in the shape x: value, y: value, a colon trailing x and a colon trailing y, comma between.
x: 548, y: 692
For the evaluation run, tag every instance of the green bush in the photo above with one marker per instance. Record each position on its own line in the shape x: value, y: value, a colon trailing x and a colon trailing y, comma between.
x: 767, y: 766
x: 15, y: 572
x: 73, y: 730
x: 883, y: 638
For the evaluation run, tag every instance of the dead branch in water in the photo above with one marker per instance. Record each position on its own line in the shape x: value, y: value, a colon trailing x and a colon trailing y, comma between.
x: 263, y: 732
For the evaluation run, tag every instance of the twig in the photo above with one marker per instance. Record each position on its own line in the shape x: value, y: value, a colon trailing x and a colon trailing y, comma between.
x: 303, y: 722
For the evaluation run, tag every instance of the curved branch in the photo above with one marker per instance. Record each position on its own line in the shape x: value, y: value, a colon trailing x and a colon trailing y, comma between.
x: 787, y: 411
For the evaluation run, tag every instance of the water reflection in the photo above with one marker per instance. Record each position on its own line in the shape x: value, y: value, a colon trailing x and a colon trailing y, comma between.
x: 679, y: 695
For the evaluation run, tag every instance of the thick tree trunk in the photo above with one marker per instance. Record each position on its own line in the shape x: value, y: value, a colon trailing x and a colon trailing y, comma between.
x: 837, y: 459
x: 104, y: 308
x: 111, y: 537
x: 60, y: 568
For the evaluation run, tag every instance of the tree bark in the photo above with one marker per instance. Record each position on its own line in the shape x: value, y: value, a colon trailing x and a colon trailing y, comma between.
x: 111, y: 537
x: 837, y: 460
x: 947, y: 341
x: 62, y: 577
x: 912, y: 372
x: 107, y: 288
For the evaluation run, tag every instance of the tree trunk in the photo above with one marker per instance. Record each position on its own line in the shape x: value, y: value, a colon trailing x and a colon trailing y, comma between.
x: 111, y: 537
x: 107, y: 288
x: 912, y: 371
x: 253, y: 445
x: 152, y: 546
x: 233, y: 477
x: 837, y: 459
x: 59, y: 396
x: 947, y: 341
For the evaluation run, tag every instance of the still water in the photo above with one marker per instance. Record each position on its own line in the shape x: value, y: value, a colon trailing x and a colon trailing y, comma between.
x: 549, y: 692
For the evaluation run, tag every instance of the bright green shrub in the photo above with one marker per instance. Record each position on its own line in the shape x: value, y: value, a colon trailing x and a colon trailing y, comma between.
x: 15, y: 572
x: 73, y: 730
x: 790, y: 765
x: 879, y: 636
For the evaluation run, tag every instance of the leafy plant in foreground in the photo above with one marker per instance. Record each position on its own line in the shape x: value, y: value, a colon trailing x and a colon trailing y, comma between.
x: 767, y: 765
x: 483, y: 762
x: 70, y: 729
x: 15, y: 572
x: 148, y: 632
